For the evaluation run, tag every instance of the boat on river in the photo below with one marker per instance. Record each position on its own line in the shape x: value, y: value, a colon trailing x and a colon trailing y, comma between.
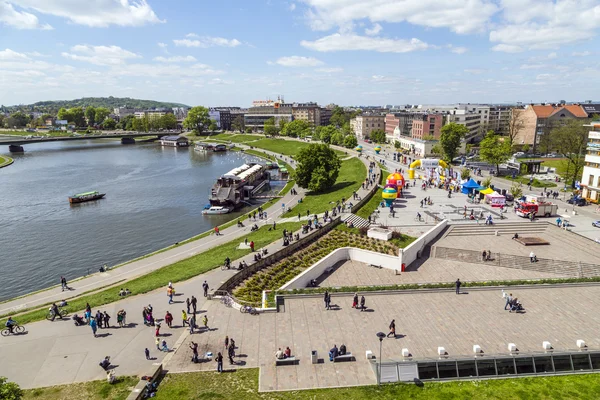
x: 87, y: 196
x: 215, y: 210
x: 238, y: 185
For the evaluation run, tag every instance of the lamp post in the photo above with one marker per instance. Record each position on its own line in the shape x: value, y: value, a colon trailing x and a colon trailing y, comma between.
x: 381, y: 336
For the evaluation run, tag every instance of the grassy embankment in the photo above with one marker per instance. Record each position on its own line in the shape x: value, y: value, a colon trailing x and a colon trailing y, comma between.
x: 243, y: 384
x: 94, y: 390
x: 5, y: 161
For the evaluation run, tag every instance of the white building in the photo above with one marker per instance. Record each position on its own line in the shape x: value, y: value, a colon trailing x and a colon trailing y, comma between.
x: 363, y: 125
x: 590, y: 181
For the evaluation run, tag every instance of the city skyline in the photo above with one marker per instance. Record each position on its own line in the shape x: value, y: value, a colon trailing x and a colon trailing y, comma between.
x: 347, y: 52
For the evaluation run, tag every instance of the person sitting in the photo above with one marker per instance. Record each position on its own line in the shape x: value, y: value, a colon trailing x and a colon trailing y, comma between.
x: 105, y: 363
x: 150, y: 387
x: 121, y: 292
x: 279, y: 354
x: 110, y: 377
x: 532, y: 257
x: 265, y: 251
x: 333, y: 353
x: 164, y: 346
x: 78, y: 320
x: 287, y: 353
x: 342, y: 349
x: 63, y: 303
x: 515, y: 236
x: 286, y: 242
x: 127, y: 292
x: 239, y: 223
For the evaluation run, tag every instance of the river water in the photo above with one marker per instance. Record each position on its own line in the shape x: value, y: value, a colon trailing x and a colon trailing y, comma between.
x: 154, y: 198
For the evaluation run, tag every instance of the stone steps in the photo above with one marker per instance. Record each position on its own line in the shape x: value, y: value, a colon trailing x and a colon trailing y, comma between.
x: 357, y: 221
x: 501, y: 228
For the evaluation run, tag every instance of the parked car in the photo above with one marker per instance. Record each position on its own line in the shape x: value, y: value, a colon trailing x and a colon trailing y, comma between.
x: 510, y: 199
x: 577, y: 201
x: 596, y: 224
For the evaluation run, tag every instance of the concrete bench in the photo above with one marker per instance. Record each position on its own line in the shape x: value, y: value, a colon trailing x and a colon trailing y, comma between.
x: 285, y: 361
x: 139, y: 390
x: 345, y: 357
x: 329, y: 270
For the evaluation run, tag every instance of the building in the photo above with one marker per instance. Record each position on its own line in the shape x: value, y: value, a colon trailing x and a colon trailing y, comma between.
x: 153, y: 113
x: 325, y: 116
x: 122, y: 112
x: 591, y: 109
x: 215, y: 116
x: 398, y: 124
x: 256, y: 117
x: 221, y: 117
x: 309, y: 112
x: 590, y: 181
x: 174, y: 141
x: 363, y: 125
x: 499, y: 119
x: 425, y: 124
x: 535, y: 121
x: 180, y: 113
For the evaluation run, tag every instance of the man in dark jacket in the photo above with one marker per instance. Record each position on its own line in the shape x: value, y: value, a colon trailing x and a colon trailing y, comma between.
x: 458, y: 283
x: 333, y: 353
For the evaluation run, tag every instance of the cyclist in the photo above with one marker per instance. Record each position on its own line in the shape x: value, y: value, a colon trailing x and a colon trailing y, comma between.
x: 10, y: 324
x: 55, y: 311
x: 418, y: 216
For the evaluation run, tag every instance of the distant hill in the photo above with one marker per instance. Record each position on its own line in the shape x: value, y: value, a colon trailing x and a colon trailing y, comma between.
x: 110, y: 102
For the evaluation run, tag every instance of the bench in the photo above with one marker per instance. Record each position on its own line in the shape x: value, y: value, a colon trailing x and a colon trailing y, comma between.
x: 329, y: 270
x: 345, y: 357
x: 285, y: 361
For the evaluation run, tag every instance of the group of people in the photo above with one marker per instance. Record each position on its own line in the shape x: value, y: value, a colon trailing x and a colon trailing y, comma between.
x: 124, y: 292
x: 355, y: 303
x: 283, y: 354
x: 486, y: 255
x: 334, y: 352
x: 512, y: 303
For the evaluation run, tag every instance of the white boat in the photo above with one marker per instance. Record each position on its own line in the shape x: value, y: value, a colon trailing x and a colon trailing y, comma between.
x: 215, y: 210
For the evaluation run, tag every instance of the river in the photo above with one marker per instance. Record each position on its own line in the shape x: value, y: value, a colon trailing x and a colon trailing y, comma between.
x: 154, y: 198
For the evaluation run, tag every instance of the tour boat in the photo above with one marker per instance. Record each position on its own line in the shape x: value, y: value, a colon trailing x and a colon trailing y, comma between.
x: 215, y: 210
x: 83, y: 197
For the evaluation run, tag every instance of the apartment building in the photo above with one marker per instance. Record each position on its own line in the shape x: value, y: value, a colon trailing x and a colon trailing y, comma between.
x: 427, y: 125
x: 363, y: 125
x: 534, y: 121
x: 121, y: 112
x: 309, y: 112
x: 152, y: 113
x: 398, y: 124
x: 256, y: 117
x: 499, y: 119
x: 590, y: 181
x: 222, y: 117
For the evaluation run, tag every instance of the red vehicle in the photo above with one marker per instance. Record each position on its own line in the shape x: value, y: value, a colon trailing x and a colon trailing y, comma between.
x: 538, y: 209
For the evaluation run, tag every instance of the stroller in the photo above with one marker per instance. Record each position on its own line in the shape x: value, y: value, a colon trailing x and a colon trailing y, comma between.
x: 516, y: 306
x: 78, y: 320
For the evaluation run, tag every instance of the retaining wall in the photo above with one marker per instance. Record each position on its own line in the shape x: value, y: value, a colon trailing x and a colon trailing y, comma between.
x: 413, y: 251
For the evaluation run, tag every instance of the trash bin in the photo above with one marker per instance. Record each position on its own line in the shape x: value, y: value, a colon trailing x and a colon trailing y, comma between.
x: 313, y: 357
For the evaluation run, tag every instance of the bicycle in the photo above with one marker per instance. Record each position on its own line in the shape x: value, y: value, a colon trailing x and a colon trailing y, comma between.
x: 227, y: 300
x: 17, y: 329
x: 50, y: 315
x: 248, y: 310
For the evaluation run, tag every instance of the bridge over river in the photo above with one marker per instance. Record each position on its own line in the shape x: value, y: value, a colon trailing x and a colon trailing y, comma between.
x: 15, y: 143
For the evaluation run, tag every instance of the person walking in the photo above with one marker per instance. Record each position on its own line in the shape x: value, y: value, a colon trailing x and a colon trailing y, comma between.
x: 392, y: 329
x: 252, y: 246
x: 484, y: 255
x: 217, y: 233
x: 532, y: 257
x: 94, y: 326
x: 219, y: 360
x: 355, y: 300
x: 194, y: 347
x: 157, y: 332
x: 157, y: 342
x: 169, y: 319
x: 192, y: 323
x: 508, y: 301
x: 362, y: 303
x: 63, y: 283
x: 184, y: 318
x: 457, y: 284
x: 55, y: 312
x: 231, y: 354
x: 205, y: 321
x: 147, y: 353
x: 226, y: 341
x: 120, y: 319
x: 194, y: 302
x: 187, y: 303
x: 106, y: 318
x: 326, y: 299
x: 170, y: 294
x: 205, y: 287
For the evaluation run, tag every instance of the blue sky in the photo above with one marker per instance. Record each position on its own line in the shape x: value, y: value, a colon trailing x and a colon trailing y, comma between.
x: 348, y: 52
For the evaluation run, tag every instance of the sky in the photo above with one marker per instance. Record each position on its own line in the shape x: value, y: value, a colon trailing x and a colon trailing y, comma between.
x: 348, y: 52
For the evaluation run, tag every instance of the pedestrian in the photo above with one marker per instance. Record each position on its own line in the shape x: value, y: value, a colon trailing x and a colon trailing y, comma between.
x: 194, y: 347
x: 392, y: 329
x: 94, y: 326
x: 484, y: 255
x: 170, y: 294
x: 184, y: 318
x: 194, y: 302
x: 217, y: 231
x: 508, y: 300
x: 219, y: 360
x: 124, y: 315
x: 362, y: 303
x: 157, y: 332
x: 55, y: 312
x: 99, y: 319
x: 63, y: 283
x: 192, y: 323
x: 205, y: 321
x: 187, y: 303
x: 325, y: 298
x: 231, y: 354
x: 532, y: 257
x: 147, y: 353
x: 169, y: 319
x: 458, y: 283
x: 106, y: 319
x: 164, y: 346
x: 355, y: 300
x: 298, y: 216
x: 205, y: 287
x: 226, y: 341
x: 120, y: 319
x: 157, y: 342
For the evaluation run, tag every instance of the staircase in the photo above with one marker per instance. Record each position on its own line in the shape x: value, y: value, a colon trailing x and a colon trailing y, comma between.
x: 357, y: 221
x: 572, y: 269
x: 509, y: 228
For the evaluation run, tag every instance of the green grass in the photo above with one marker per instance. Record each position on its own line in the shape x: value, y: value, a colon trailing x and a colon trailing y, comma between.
x: 285, y: 147
x: 350, y: 178
x: 243, y: 384
x: 235, y: 138
x: 536, y: 183
x: 94, y: 390
x: 5, y: 160
x: 177, y: 272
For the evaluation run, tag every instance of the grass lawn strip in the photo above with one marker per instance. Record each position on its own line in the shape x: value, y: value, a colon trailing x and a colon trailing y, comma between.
x: 525, y: 181
x: 5, y: 161
x: 93, y: 390
x: 243, y: 384
x: 176, y: 272
x: 285, y: 147
x: 234, y: 138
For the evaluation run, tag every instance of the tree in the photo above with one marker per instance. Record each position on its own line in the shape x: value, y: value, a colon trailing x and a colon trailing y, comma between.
x: 138, y: 125
x: 347, y: 129
x: 282, y: 124
x: 78, y: 116
x: 317, y: 168
x: 339, y: 117
x: 20, y: 119
x: 525, y: 148
x: 515, y: 123
x: 127, y: 122
x: 65, y: 114
x: 270, y: 128
x: 487, y: 182
x: 168, y: 121
x: 516, y: 189
x: 337, y: 138
x: 238, y: 124
x: 378, y: 136
x: 571, y: 141
x: 197, y: 119
x: 212, y: 126
x: 397, y: 144
x: 326, y: 133
x: 9, y: 390
x: 494, y: 150
x: 101, y: 114
x: 296, y: 128
x: 249, y: 129
x: 465, y: 173
x: 451, y: 135
x: 109, y: 123
x: 350, y: 141
x: 437, y: 149
x: 90, y: 114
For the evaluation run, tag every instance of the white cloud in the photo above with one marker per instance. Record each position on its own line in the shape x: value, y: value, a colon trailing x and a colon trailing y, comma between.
x: 298, y: 61
x: 533, y: 66
x: 374, y: 30
x: 474, y: 71
x: 191, y: 35
x: 580, y: 53
x: 11, y: 55
x: 292, y: 6
x: 552, y: 56
x: 545, y: 77
x: 162, y: 45
x: 536, y: 24
x: 94, y: 13
x: 458, y: 49
x: 330, y: 70
x: 339, y: 41
x: 163, y: 70
x: 175, y: 59
x: 99, y: 55
x: 507, y: 48
x: 19, y: 19
x: 206, y: 41
x: 460, y: 16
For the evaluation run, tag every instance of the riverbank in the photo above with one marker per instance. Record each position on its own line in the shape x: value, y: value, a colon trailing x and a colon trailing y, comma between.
x: 5, y: 161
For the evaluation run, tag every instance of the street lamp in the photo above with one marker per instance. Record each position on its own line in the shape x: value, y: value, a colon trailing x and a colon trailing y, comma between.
x: 381, y: 336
